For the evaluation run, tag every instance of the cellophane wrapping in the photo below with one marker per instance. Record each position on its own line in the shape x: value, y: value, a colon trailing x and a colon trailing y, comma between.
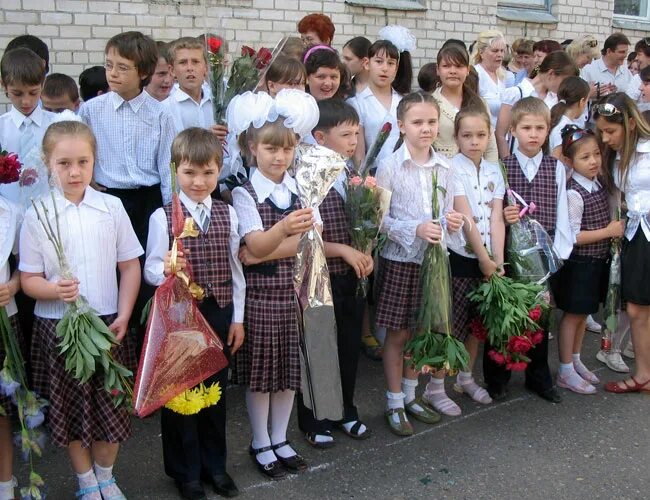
x: 529, y: 252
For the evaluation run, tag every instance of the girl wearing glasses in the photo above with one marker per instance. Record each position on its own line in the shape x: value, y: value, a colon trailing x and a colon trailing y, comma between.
x: 626, y: 136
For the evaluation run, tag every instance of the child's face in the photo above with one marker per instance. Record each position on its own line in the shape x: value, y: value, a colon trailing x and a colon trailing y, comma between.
x: 59, y: 104
x: 586, y: 158
x: 122, y: 75
x: 273, y: 161
x: 343, y: 138
x: 612, y: 134
x: 531, y: 132
x: 324, y: 83
x: 451, y: 74
x: 71, y: 162
x: 197, y: 181
x: 190, y: 69
x: 382, y: 69
x: 420, y: 125
x: 161, y: 81
x: 645, y: 90
x: 354, y: 64
x: 473, y: 137
x: 24, y: 97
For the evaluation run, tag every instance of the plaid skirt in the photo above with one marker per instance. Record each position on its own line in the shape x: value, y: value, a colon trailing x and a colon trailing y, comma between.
x: 269, y: 359
x: 5, y: 401
x: 464, y: 310
x: 78, y: 412
x: 398, y: 294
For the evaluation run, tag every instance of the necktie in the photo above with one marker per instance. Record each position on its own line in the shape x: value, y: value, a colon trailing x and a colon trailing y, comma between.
x: 26, y: 139
x: 204, y: 220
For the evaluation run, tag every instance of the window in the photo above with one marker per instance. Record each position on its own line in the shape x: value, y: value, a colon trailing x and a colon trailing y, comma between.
x: 525, y: 4
x: 631, y: 8
x: 534, y: 11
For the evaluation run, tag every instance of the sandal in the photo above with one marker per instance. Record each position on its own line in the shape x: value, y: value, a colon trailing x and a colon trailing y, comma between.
x: 85, y: 491
x: 401, y: 428
x: 474, y: 391
x: 424, y: 414
x: 294, y: 464
x: 354, y: 430
x: 310, y: 437
x: 106, y: 484
x: 635, y: 387
x: 273, y: 470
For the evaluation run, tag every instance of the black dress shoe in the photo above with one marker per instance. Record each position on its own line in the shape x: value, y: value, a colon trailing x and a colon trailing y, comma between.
x: 497, y: 393
x: 550, y: 394
x: 192, y: 490
x: 274, y: 471
x: 294, y: 464
x: 223, y: 485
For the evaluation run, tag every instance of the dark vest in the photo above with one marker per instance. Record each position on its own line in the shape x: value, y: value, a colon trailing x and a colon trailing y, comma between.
x: 595, y: 216
x: 336, y: 228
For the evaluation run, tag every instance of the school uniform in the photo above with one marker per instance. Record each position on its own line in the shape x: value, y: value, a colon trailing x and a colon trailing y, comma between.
x: 635, y: 254
x: 195, y: 445
x: 480, y: 188
x: 541, y: 179
x: 398, y: 281
x: 186, y: 112
x: 96, y: 235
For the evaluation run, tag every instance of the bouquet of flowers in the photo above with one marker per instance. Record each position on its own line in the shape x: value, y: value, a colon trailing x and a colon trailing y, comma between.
x: 86, y: 341
x: 510, y: 312
x: 433, y: 347
x: 245, y: 74
x: 613, y: 297
x: 9, y: 167
x: 180, y: 348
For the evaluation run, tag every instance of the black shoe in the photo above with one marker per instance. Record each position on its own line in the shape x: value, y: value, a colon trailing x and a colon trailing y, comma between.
x: 192, y: 490
x: 497, y: 393
x: 550, y: 394
x: 294, y: 464
x: 223, y: 484
x: 274, y: 470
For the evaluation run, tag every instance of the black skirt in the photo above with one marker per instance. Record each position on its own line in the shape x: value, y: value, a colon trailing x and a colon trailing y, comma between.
x: 580, y: 286
x: 635, y: 270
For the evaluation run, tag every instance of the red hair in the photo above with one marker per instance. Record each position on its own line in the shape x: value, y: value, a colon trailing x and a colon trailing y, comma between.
x: 318, y: 23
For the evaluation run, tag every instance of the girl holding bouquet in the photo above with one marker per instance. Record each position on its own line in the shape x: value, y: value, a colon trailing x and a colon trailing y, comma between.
x: 82, y: 416
x: 626, y: 136
x: 410, y: 226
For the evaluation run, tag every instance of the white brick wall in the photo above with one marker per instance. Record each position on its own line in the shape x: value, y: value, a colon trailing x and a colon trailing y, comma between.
x: 77, y: 30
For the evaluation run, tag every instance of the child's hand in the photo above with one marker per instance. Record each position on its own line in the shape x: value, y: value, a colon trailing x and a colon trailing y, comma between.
x: 5, y: 294
x: 298, y: 222
x: 235, y: 337
x: 511, y: 214
x: 67, y: 290
x: 454, y: 221
x: 429, y: 231
x: 616, y: 229
x: 221, y: 131
x: 488, y: 267
x: 359, y: 261
x: 119, y: 327
x: 181, y: 263
x: 247, y: 258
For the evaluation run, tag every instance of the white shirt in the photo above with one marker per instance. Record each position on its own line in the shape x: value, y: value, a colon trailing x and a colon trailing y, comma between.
x: 411, y: 186
x: 480, y: 187
x: 555, y: 138
x: 186, y: 112
x: 564, y: 239
x: 10, y: 133
x: 279, y: 194
x: 10, y: 217
x: 636, y: 188
x: 633, y: 88
x: 490, y: 91
x: 158, y: 244
x: 597, y: 72
x: 373, y: 115
x: 96, y: 235
x: 575, y: 201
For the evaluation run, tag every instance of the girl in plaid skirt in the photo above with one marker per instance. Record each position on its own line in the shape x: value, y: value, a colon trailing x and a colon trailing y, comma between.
x: 98, y: 239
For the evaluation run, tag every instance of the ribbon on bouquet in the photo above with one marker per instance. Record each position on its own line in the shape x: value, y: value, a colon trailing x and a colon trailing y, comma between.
x: 189, y: 231
x: 528, y: 208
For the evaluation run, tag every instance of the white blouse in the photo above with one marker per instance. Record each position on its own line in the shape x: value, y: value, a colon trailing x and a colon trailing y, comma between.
x: 555, y: 138
x: 575, y: 201
x: 637, y: 190
x: 96, y: 235
x: 10, y: 217
x: 411, y: 186
x: 490, y: 91
x: 480, y: 187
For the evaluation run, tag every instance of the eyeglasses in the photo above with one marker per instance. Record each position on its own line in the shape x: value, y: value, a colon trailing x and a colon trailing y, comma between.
x: 121, y: 68
x: 607, y: 109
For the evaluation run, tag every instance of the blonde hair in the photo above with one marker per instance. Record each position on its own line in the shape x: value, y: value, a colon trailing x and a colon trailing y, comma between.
x: 529, y: 106
x: 485, y: 40
x: 56, y: 130
x: 197, y: 146
x: 186, y: 42
x: 585, y: 45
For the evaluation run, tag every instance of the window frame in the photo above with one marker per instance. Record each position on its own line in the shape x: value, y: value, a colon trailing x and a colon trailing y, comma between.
x: 627, y: 17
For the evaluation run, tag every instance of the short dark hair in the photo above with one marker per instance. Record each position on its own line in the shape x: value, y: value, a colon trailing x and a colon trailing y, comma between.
x: 428, y: 77
x: 359, y: 46
x: 454, y: 41
x: 92, y: 81
x: 335, y: 112
x: 35, y: 44
x: 139, y: 48
x: 546, y: 46
x: 643, y: 45
x: 163, y: 50
x: 198, y: 146
x: 58, y: 85
x: 644, y: 74
x: 22, y: 66
x: 613, y: 41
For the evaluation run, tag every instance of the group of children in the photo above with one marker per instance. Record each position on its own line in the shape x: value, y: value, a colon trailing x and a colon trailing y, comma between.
x: 112, y: 165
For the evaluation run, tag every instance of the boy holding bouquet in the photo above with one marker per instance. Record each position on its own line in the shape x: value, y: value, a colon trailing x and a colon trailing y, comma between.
x: 194, y: 446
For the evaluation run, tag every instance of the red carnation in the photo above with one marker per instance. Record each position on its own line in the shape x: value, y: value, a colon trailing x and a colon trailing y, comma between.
x: 115, y: 392
x: 535, y: 313
x: 537, y: 337
x: 9, y: 168
x: 247, y: 51
x: 517, y: 366
x: 520, y: 344
x: 478, y: 329
x: 497, y: 357
x: 263, y: 58
x: 214, y: 44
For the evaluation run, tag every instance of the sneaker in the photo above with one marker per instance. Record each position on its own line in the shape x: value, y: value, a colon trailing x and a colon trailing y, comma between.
x: 581, y: 387
x: 593, y: 325
x: 613, y: 361
x: 628, y: 352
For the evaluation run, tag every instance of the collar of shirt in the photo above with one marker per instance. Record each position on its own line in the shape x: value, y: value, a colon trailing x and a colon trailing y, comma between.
x: 600, y: 64
x: 180, y: 96
x: 463, y: 163
x: 590, y: 185
x: 529, y: 166
x: 264, y: 186
x: 192, y: 205
x: 135, y: 104
x: 365, y: 93
x: 18, y: 118
x: 404, y: 158
x: 91, y: 198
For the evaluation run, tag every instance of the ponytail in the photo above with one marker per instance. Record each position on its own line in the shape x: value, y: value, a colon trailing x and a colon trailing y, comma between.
x: 572, y: 90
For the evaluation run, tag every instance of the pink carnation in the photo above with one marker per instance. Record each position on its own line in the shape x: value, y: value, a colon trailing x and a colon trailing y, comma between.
x: 497, y: 357
x: 370, y: 182
x: 537, y: 337
x: 356, y: 181
x: 519, y: 344
x: 517, y: 366
x: 535, y: 313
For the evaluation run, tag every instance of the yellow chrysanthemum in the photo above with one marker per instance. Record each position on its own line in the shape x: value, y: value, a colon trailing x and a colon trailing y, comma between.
x: 192, y: 401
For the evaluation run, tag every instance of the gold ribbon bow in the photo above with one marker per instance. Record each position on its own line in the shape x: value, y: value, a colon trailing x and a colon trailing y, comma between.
x: 189, y: 230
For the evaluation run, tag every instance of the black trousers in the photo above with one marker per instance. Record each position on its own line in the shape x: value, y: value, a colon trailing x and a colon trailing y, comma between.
x: 195, y: 445
x: 348, y: 310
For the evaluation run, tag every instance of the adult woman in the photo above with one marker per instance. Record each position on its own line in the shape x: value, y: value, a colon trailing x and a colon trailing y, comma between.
x: 583, y: 50
x: 316, y: 29
x: 487, y: 56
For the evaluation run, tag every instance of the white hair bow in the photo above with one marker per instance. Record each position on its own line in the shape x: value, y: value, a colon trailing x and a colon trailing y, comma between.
x: 399, y: 36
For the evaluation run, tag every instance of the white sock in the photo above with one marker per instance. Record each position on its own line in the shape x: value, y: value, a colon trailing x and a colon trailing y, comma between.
x: 281, y: 406
x: 104, y: 474
x: 7, y: 489
x: 257, y: 404
x: 464, y: 377
x: 583, y: 371
x: 408, y: 388
x: 88, y: 480
x: 348, y: 427
x: 568, y: 371
x: 394, y: 400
